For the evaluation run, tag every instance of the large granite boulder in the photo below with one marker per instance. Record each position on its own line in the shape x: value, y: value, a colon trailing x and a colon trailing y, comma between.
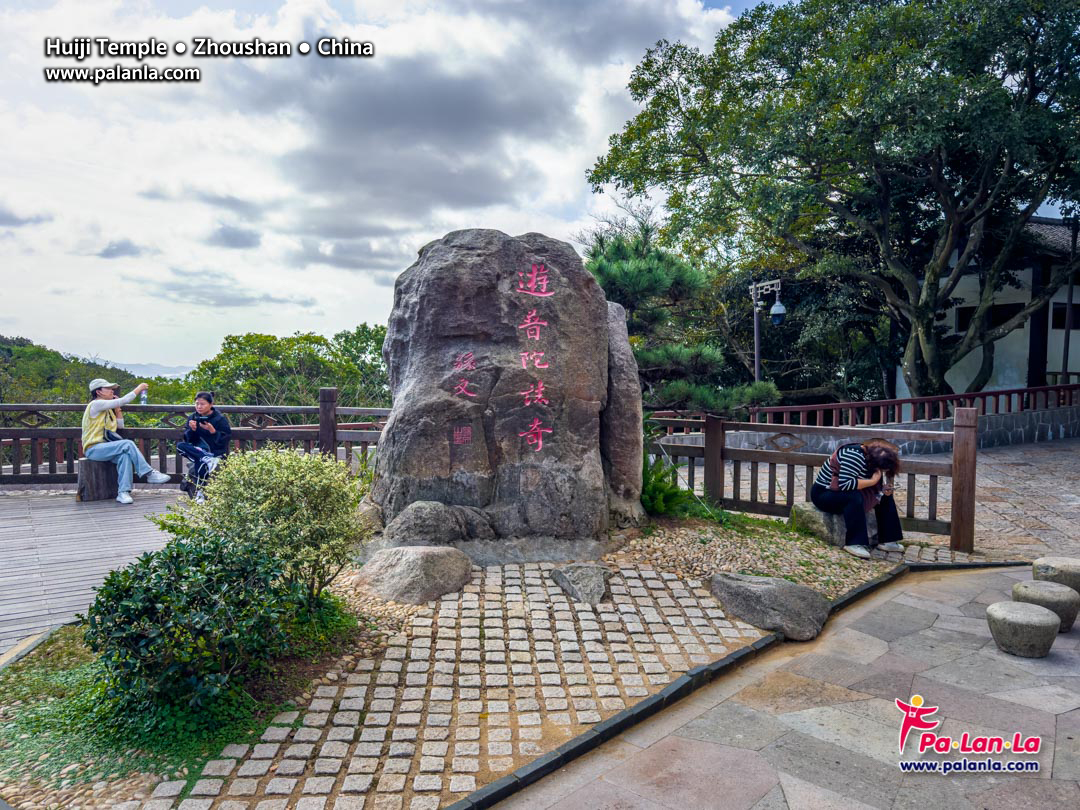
x: 621, y: 435
x: 770, y: 603
x: 498, y: 352
x: 416, y: 574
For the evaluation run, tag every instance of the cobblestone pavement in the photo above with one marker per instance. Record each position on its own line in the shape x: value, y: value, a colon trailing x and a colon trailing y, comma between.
x: 482, y: 682
x: 815, y: 725
x: 1027, y: 499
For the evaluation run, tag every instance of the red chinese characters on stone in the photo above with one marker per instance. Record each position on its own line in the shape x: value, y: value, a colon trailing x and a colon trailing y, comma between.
x: 534, y: 282
x: 532, y: 325
x: 465, y: 362
x: 534, y: 358
x: 463, y: 388
x: 534, y: 436
x: 535, y: 394
x: 463, y: 434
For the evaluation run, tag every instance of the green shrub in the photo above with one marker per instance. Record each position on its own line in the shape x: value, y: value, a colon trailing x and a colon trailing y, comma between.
x: 301, y: 508
x: 186, y: 623
x: 660, y: 490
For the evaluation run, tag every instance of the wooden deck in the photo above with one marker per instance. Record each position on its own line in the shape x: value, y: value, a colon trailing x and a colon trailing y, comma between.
x: 54, y: 551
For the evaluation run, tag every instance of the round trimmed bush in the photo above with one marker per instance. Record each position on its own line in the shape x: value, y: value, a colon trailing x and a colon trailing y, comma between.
x: 186, y: 623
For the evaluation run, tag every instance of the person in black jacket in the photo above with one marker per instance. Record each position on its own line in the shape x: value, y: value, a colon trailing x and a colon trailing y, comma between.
x: 206, y: 442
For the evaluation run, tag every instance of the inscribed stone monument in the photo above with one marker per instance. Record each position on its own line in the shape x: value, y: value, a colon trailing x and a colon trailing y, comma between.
x: 498, y: 351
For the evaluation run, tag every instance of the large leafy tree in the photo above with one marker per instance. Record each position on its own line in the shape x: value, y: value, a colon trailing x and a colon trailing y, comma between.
x: 900, y: 143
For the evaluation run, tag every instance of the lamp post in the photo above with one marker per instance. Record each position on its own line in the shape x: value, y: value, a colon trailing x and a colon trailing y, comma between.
x: 776, y: 315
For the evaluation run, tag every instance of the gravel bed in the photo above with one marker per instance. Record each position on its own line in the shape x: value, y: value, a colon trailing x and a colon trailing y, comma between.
x: 698, y: 549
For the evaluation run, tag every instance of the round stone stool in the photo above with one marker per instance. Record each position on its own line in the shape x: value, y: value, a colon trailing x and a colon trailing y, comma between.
x: 1065, y: 570
x: 1061, y: 599
x: 1021, y: 628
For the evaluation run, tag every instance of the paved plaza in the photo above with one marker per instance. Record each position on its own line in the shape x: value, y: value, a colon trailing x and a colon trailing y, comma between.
x: 480, y: 683
x: 815, y: 725
x: 483, y: 681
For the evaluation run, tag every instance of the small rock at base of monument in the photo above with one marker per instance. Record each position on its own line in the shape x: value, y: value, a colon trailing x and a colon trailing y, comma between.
x: 370, y: 515
x: 770, y: 603
x: 1065, y: 570
x: 431, y: 523
x: 828, y: 527
x: 415, y: 574
x: 1023, y: 629
x: 584, y: 582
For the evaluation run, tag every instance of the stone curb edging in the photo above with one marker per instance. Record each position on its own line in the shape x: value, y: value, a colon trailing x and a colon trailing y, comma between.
x: 603, y: 731
x: 694, y: 679
x: 966, y: 566
x: 23, y: 649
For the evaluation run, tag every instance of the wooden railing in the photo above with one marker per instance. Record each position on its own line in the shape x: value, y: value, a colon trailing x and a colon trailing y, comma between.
x: 918, y: 409
x: 777, y: 469
x: 33, y: 451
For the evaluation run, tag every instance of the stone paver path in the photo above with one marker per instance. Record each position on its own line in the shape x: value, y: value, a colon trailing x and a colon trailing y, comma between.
x: 55, y: 550
x: 482, y: 682
x: 815, y: 725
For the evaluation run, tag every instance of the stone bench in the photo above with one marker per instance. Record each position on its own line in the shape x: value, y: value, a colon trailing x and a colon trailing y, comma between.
x: 1061, y: 599
x: 1065, y: 570
x: 97, y: 480
x: 1023, y: 629
x: 827, y: 527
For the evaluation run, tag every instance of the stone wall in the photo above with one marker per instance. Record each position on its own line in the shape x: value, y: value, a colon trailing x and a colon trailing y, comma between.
x: 995, y: 430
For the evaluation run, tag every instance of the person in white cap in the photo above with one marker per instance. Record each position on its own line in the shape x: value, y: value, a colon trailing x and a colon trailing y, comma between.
x: 101, y: 442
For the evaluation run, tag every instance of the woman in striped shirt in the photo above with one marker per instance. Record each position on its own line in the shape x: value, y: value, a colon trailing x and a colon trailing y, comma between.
x: 850, y: 484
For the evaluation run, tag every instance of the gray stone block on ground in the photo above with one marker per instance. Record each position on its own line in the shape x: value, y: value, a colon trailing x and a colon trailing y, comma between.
x: 415, y: 574
x: 1061, y: 599
x: 584, y: 582
x: 1023, y: 629
x: 797, y: 611
x: 1065, y: 570
x: 829, y: 528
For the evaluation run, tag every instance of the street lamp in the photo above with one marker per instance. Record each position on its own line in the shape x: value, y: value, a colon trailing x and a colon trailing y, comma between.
x: 776, y: 315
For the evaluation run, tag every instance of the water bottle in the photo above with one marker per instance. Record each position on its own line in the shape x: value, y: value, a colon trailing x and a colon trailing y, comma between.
x: 142, y: 398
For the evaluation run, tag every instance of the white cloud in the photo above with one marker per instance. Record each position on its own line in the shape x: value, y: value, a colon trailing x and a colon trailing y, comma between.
x: 296, y: 189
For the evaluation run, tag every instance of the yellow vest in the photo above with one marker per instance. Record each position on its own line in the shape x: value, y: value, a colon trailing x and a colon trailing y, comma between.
x: 94, y: 427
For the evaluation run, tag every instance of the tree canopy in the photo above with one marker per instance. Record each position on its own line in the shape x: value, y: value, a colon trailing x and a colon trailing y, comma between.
x: 899, y: 143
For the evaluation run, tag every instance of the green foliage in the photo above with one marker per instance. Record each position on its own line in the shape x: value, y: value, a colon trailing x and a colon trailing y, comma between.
x: 900, y: 143
x: 267, y: 370
x: 301, y: 508
x: 660, y: 490
x: 185, y: 624
x: 64, y: 716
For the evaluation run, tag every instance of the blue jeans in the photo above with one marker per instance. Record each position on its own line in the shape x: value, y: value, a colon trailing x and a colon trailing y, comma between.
x: 126, y: 456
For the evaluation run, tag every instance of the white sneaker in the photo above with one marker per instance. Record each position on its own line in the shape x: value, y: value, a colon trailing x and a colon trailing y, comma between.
x: 124, y: 497
x: 155, y: 477
x: 890, y: 547
x: 199, y: 497
x: 861, y: 552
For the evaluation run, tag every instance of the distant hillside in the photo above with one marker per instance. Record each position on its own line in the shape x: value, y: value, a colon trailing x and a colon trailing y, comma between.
x: 156, y: 370
x: 33, y: 373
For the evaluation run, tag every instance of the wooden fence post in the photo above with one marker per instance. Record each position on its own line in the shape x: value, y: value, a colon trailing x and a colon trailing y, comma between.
x: 328, y: 421
x: 965, y: 446
x: 714, y: 459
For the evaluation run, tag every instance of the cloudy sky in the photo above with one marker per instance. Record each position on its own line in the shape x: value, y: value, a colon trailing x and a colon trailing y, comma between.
x: 143, y: 222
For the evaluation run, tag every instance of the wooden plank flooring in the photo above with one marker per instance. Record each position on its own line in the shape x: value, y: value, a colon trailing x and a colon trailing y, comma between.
x: 54, y: 551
